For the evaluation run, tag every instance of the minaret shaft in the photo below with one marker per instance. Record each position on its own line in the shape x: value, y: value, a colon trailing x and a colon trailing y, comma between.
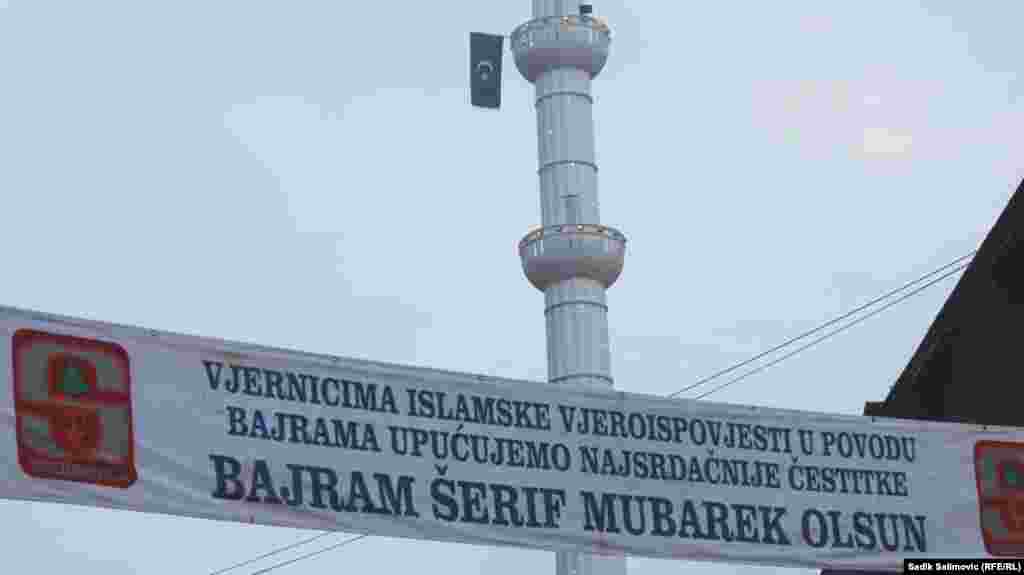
x: 565, y: 145
x: 573, y: 259
x: 575, y: 308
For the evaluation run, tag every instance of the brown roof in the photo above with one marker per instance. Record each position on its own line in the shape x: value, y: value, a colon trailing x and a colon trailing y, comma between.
x: 971, y: 329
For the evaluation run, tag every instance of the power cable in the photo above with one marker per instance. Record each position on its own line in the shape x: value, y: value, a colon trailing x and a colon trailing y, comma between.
x: 274, y: 552
x: 308, y: 555
x: 805, y: 334
x: 834, y: 332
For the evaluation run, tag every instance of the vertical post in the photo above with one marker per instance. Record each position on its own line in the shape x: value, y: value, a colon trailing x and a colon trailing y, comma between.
x: 573, y: 259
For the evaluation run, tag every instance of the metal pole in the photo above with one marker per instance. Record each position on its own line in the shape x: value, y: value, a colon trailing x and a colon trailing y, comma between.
x: 572, y: 258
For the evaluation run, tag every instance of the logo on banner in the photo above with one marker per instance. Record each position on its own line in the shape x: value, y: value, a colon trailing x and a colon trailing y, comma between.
x: 72, y: 401
x: 999, y: 468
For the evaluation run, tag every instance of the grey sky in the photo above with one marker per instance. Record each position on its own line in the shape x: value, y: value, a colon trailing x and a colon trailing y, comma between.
x: 309, y: 174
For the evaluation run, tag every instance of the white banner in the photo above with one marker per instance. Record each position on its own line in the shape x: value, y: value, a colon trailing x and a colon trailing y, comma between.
x: 126, y: 418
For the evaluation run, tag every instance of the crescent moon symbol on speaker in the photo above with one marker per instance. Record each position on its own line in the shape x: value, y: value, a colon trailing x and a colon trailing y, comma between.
x: 484, y: 68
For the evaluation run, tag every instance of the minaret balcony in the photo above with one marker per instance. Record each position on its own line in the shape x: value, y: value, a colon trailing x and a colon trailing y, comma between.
x: 557, y: 253
x: 576, y: 41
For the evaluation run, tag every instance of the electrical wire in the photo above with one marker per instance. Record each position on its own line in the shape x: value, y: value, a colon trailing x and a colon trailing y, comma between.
x: 308, y: 555
x: 834, y: 332
x: 274, y: 552
x: 811, y: 332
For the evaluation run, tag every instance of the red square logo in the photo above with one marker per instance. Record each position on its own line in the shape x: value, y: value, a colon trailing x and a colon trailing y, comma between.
x: 72, y: 400
x: 999, y: 469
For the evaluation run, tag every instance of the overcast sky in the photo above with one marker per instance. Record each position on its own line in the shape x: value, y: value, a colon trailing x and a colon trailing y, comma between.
x: 309, y: 174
